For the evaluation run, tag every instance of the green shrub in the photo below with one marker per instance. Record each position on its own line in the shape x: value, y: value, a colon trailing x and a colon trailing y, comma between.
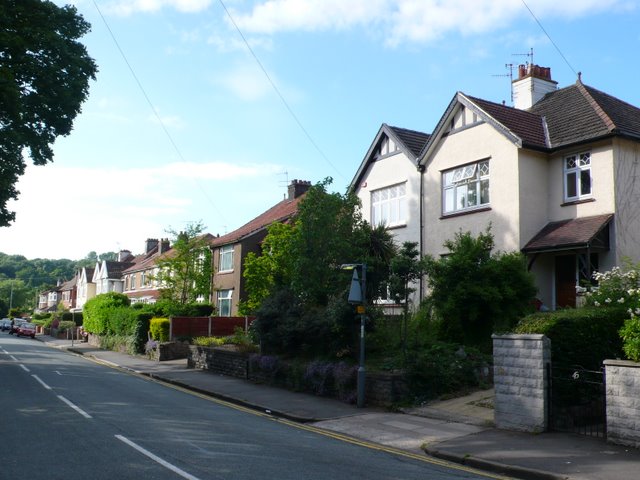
x: 139, y: 332
x: 98, y: 310
x: 65, y: 325
x: 584, y: 336
x: 159, y: 328
x: 630, y: 334
x: 445, y: 368
x: 209, y: 341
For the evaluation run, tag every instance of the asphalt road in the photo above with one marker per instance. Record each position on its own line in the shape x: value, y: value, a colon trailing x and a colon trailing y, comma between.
x: 65, y: 417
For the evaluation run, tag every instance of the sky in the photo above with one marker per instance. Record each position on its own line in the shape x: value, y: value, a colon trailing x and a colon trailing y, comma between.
x: 204, y: 110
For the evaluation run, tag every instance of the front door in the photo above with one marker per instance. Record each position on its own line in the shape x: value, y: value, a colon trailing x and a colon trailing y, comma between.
x: 565, y: 281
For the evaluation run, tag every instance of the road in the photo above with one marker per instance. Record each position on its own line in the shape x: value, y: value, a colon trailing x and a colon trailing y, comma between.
x: 65, y: 417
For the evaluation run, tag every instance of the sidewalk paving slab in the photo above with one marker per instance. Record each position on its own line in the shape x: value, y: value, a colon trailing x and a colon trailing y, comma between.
x: 450, y: 430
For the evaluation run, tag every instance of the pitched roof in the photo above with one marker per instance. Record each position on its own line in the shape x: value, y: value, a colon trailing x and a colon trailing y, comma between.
x: 528, y: 126
x: 411, y: 142
x: 115, y: 268
x: 280, y: 212
x: 566, y: 234
x: 580, y: 113
x: 412, y: 139
x: 571, y: 115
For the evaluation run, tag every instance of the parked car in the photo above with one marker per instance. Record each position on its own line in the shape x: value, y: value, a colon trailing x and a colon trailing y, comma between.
x: 27, y: 329
x: 16, y: 324
x: 5, y: 324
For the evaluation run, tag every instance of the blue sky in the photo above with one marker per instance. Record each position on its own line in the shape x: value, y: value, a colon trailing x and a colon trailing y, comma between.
x: 199, y: 132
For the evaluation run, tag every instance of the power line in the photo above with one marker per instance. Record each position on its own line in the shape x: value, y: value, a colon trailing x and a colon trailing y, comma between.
x: 277, y: 90
x: 153, y: 109
x: 549, y: 37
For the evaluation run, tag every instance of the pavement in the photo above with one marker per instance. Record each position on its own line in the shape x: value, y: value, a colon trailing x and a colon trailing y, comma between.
x: 459, y: 430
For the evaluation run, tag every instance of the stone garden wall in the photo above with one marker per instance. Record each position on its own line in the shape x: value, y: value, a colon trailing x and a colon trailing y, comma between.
x: 520, y: 381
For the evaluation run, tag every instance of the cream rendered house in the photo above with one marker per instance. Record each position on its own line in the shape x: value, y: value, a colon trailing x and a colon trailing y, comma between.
x: 388, y: 184
x: 556, y: 176
x: 86, y: 288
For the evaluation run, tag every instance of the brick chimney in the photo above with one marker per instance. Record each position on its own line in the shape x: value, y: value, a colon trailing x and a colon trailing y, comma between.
x: 124, y: 255
x: 533, y: 83
x: 297, y: 188
x: 164, y: 245
x: 150, y: 244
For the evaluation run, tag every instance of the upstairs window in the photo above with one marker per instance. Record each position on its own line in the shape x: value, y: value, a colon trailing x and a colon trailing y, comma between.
x: 226, y: 258
x: 577, y: 177
x: 389, y: 206
x: 465, y: 188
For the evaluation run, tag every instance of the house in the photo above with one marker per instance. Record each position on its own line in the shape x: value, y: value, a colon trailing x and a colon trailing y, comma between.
x: 556, y: 177
x: 85, y: 287
x: 139, y: 278
x: 48, y: 300
x: 108, y: 273
x: 229, y: 251
x: 68, y: 293
x: 388, y: 184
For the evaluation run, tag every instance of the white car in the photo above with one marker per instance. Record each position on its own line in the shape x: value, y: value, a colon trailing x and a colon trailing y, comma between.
x: 5, y: 324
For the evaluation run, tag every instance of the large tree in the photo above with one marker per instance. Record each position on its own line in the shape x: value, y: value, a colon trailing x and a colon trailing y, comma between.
x: 44, y: 79
x: 185, y: 271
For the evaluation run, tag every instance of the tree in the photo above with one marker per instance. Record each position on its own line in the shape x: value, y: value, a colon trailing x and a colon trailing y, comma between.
x: 406, y: 267
x: 185, y: 271
x: 272, y: 270
x: 44, y: 79
x: 474, y: 292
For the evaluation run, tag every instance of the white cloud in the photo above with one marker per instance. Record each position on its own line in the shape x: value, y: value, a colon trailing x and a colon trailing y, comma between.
x: 247, y: 82
x: 66, y: 212
x: 410, y: 21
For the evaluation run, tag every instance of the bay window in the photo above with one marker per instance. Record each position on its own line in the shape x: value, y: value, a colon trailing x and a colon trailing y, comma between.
x: 465, y: 188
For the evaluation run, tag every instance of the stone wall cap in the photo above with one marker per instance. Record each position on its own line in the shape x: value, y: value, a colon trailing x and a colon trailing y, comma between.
x: 622, y: 363
x: 518, y: 336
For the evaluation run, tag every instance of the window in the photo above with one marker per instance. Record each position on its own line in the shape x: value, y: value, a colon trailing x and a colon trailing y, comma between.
x: 465, y: 188
x: 577, y: 176
x: 143, y: 279
x: 224, y: 303
x: 388, y: 206
x: 226, y: 258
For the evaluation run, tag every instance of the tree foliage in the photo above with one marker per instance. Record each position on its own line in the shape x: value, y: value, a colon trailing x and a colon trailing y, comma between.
x: 474, y: 292
x: 185, y: 271
x: 99, y: 310
x: 296, y: 286
x: 44, y: 79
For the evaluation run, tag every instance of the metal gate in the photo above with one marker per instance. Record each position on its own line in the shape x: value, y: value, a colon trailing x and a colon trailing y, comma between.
x: 577, y: 400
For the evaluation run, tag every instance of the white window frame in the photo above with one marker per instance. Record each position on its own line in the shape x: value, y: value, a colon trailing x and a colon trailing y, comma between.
x: 466, y: 188
x: 389, y: 205
x: 226, y: 259
x: 577, y: 168
x: 224, y: 298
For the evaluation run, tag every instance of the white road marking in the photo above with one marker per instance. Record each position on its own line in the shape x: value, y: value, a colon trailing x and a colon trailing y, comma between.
x: 157, y: 459
x: 75, y: 407
x: 24, y: 368
x: 41, y: 382
x: 14, y: 358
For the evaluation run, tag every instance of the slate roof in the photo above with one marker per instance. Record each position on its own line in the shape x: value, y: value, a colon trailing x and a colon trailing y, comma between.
x: 526, y: 125
x: 412, y: 139
x: 564, y: 234
x: 115, y: 268
x: 570, y: 115
x: 280, y: 212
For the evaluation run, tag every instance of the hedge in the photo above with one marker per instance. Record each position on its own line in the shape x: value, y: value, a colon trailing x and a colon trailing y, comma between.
x: 584, y: 336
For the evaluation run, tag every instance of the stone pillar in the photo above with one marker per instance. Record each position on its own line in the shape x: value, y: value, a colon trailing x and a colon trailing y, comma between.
x: 520, y: 381
x: 623, y: 402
